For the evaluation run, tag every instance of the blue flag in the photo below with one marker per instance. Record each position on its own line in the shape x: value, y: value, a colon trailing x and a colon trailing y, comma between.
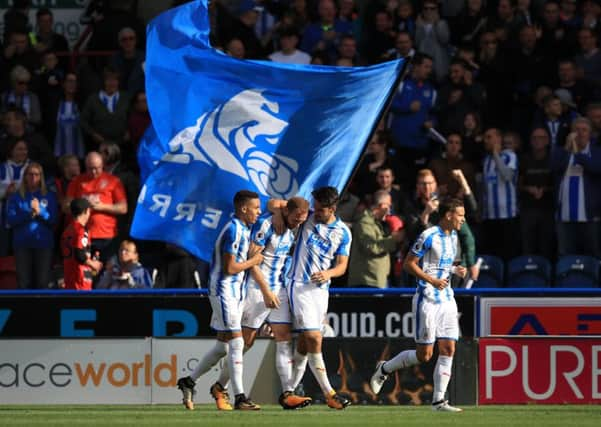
x: 222, y: 124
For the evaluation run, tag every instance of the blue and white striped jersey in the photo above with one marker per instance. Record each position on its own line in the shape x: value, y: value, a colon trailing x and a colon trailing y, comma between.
x: 571, y: 192
x: 500, y: 196
x: 317, y: 248
x: 436, y: 251
x: 276, y: 253
x: 234, y: 239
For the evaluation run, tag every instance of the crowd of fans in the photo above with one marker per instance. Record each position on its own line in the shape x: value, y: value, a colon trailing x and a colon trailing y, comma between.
x: 501, y: 107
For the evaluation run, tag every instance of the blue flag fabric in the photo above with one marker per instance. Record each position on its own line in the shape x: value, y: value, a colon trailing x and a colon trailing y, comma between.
x: 221, y: 125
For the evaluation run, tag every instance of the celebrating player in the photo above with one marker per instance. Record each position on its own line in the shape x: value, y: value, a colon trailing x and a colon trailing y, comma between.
x: 267, y: 300
x: 434, y: 306
x: 231, y: 258
x: 321, y: 253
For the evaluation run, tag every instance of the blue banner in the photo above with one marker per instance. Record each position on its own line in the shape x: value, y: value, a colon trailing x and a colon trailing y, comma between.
x: 223, y: 124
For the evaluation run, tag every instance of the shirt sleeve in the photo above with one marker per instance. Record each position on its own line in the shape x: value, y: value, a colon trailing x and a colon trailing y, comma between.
x: 230, y: 242
x: 261, y: 232
x: 422, y: 245
x: 345, y: 244
x: 119, y: 192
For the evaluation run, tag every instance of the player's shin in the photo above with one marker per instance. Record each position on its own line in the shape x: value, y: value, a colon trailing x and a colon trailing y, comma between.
x: 300, y: 365
x: 283, y: 364
x: 235, y: 364
x: 318, y: 367
x: 210, y: 359
x: 402, y: 360
x: 442, y: 375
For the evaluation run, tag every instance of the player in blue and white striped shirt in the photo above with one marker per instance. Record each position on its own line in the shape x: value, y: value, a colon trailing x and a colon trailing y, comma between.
x: 231, y: 259
x: 267, y: 298
x: 321, y: 253
x: 431, y: 262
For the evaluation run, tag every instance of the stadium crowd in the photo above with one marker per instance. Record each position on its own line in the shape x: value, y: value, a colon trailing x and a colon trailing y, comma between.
x: 501, y: 107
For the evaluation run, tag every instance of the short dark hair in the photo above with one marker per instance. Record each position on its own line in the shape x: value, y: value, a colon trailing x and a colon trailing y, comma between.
x: 43, y: 12
x: 326, y: 196
x: 79, y: 206
x: 243, y: 196
x: 449, y: 204
x: 420, y: 58
x: 297, y: 202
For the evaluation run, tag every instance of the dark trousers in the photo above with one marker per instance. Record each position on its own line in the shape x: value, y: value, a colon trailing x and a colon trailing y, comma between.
x: 578, y: 238
x: 106, y: 247
x: 33, y: 268
x: 538, y: 232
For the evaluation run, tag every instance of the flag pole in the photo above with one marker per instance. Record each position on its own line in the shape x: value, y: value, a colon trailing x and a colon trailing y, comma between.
x: 389, y: 98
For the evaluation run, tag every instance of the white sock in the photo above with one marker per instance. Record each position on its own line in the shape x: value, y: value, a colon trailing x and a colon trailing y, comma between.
x: 209, y: 360
x: 300, y: 365
x: 234, y: 358
x: 442, y: 376
x: 283, y: 364
x: 318, y: 367
x: 402, y: 360
x: 224, y: 373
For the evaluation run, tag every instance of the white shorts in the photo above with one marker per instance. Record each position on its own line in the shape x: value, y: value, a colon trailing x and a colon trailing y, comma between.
x: 254, y: 312
x: 227, y: 313
x: 434, y: 320
x: 309, y: 306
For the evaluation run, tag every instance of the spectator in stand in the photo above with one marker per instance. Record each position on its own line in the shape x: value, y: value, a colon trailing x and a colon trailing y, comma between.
x: 46, y: 39
x: 107, y: 199
x: 403, y: 47
x: 32, y: 214
x: 289, y: 54
x: 593, y: 113
x: 18, y: 51
x: 525, y: 12
x: 324, y: 35
x: 472, y: 139
x: 17, y: 17
x: 244, y: 30
x: 432, y: 38
x: 79, y: 265
x: 104, y: 115
x: 500, y: 203
x: 347, y: 10
x: 495, y: 75
x: 124, y: 271
x: 68, y: 138
x: 469, y: 24
x: 581, y: 91
x: 235, y: 48
x: 411, y: 118
x: 555, y: 121
x: 370, y: 255
x: 588, y: 60
x: 449, y: 181
x: 386, y: 182
x: 380, y: 38
x: 536, y: 197
x: 347, y: 51
x: 137, y: 123
x: 509, y: 21
x: 11, y: 175
x: 577, y: 167
x: 458, y: 96
x: 111, y: 157
x: 569, y: 15
x: 297, y: 15
x: 48, y: 86
x: 591, y: 15
x: 557, y: 40
x: 20, y: 96
x: 127, y: 60
x: 404, y: 19
x: 376, y: 157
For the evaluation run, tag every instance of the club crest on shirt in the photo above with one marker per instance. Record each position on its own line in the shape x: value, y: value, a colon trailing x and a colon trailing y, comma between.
x: 43, y: 203
x: 103, y: 184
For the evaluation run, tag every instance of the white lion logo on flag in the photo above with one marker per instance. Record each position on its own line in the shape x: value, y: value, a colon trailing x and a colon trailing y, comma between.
x: 240, y: 137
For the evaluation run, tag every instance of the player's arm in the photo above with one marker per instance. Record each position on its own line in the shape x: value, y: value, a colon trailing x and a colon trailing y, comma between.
x: 338, y: 270
x: 270, y: 299
x: 275, y: 206
x: 411, y: 266
x: 231, y: 266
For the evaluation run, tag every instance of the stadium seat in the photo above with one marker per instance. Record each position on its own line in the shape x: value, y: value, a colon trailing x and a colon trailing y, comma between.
x: 8, y: 273
x: 492, y: 272
x: 529, y: 271
x: 577, y: 271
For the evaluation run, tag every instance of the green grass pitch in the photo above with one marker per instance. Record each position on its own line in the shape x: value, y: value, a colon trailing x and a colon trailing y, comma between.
x: 314, y: 416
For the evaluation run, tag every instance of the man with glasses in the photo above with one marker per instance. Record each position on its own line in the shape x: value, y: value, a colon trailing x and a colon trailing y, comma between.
x: 128, y: 61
